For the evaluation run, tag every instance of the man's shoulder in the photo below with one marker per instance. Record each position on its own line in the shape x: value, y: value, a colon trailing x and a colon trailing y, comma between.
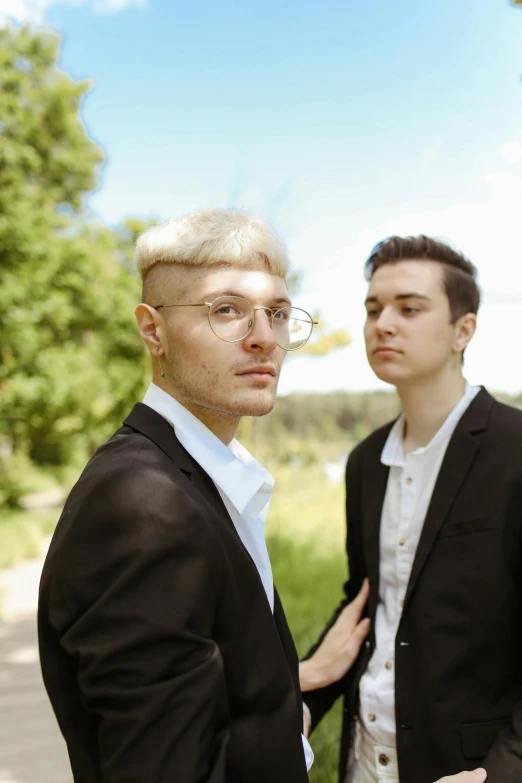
x: 506, y: 419
x: 130, y: 500
x: 122, y: 451
x: 129, y: 478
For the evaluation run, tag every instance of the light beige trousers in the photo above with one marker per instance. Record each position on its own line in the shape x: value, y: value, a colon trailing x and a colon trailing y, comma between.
x: 371, y: 763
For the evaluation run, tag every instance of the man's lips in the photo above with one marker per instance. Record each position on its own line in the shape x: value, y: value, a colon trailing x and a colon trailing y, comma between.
x: 386, y: 350
x: 258, y: 372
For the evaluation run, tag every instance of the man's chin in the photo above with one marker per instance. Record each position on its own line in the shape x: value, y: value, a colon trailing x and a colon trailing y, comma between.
x: 387, y: 374
x: 255, y: 404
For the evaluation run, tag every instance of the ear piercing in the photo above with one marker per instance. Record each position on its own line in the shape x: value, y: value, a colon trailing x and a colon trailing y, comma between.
x: 159, y: 362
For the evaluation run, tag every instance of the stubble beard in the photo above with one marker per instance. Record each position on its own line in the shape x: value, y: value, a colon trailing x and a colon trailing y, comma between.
x: 195, y: 393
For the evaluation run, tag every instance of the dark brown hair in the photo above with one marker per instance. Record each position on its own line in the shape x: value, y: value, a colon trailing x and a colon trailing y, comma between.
x: 460, y: 275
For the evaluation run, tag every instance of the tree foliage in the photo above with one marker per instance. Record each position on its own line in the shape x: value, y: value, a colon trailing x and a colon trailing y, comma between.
x: 70, y: 358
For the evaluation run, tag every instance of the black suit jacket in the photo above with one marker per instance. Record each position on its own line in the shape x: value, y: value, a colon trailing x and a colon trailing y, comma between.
x: 159, y: 651
x: 458, y: 675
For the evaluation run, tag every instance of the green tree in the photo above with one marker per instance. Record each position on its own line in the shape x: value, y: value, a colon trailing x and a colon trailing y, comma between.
x: 70, y: 358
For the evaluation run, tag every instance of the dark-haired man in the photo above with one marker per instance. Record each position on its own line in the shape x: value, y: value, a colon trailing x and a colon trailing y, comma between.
x: 434, y: 522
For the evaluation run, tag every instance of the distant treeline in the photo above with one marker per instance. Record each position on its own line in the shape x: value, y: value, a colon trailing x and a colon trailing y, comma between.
x: 337, y: 416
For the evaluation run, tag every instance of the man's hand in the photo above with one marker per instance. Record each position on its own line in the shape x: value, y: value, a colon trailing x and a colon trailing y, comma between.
x: 339, y: 648
x: 476, y: 776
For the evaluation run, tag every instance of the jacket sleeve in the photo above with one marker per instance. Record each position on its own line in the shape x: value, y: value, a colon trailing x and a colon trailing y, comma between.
x: 322, y: 699
x: 133, y: 599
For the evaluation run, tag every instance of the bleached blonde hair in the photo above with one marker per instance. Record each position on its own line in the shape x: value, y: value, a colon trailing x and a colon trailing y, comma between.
x: 210, y: 237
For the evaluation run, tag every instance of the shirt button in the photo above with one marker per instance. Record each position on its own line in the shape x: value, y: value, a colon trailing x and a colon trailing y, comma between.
x: 409, y: 480
x: 384, y: 760
x: 371, y: 717
x: 388, y: 665
x: 402, y: 542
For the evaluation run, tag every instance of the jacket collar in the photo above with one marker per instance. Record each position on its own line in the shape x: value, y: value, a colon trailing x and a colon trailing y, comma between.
x: 143, y: 419
x: 240, y: 477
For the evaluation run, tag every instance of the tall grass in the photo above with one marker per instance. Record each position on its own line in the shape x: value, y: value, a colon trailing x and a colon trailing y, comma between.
x: 305, y: 536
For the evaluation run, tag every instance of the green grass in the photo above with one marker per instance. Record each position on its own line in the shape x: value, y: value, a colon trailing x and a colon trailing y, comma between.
x: 305, y: 536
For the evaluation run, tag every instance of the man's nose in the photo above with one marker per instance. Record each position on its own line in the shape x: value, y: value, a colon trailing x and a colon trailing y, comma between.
x: 385, y: 323
x: 262, y: 336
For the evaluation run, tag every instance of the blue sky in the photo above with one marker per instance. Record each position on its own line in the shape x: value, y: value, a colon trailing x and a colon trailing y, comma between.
x: 341, y: 122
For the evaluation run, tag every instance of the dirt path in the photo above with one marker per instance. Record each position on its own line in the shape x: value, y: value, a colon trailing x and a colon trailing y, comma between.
x: 31, y: 747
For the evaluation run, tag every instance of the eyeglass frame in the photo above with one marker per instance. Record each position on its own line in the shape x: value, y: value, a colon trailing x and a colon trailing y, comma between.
x: 254, y: 310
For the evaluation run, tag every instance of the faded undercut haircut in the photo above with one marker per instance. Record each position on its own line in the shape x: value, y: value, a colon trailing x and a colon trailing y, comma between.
x: 209, y: 238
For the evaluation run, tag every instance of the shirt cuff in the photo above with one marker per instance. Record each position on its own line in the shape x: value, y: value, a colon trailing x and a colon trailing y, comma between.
x: 308, y: 752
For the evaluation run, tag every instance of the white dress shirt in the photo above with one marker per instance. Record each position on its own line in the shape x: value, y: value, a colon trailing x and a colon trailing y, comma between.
x: 411, y: 481
x: 244, y: 485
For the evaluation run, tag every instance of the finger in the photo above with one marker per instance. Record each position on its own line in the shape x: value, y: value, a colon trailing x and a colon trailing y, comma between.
x: 475, y: 776
x: 364, y: 592
x: 358, y: 636
x: 355, y: 607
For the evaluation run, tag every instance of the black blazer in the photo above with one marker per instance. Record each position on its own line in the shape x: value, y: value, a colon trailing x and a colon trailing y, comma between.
x: 458, y: 675
x: 159, y: 651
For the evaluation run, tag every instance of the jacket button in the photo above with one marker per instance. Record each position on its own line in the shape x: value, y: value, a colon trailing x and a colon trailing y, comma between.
x: 384, y: 760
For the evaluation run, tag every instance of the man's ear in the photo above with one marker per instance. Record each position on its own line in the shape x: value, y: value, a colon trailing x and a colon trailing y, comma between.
x: 465, y: 328
x: 152, y: 328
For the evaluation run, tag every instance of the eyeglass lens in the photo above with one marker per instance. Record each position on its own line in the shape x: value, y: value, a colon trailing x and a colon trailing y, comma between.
x: 232, y: 318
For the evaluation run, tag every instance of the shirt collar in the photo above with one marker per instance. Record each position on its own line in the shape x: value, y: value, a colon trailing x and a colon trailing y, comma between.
x: 232, y: 468
x: 393, y: 452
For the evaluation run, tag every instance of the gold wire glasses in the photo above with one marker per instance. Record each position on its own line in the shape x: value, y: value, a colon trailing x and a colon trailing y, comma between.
x: 232, y: 318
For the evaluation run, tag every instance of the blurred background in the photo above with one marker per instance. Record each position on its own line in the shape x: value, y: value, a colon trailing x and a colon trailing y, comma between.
x: 339, y: 122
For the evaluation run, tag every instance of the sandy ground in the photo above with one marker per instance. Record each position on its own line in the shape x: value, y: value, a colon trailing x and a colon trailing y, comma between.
x: 31, y: 747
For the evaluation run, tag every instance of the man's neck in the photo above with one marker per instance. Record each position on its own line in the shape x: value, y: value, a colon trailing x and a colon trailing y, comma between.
x: 427, y: 405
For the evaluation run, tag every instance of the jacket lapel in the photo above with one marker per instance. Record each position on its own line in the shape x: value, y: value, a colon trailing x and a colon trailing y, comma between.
x: 156, y: 428
x: 375, y: 481
x: 460, y: 455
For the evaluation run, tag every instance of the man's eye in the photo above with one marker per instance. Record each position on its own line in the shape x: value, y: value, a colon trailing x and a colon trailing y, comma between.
x: 410, y: 310
x: 372, y: 313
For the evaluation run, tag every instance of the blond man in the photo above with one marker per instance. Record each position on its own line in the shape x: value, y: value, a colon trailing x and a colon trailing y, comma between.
x: 164, y: 647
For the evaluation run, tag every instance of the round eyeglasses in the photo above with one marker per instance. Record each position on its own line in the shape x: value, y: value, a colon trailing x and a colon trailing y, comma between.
x: 232, y: 318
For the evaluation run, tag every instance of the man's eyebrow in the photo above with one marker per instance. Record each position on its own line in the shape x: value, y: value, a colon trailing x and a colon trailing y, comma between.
x: 211, y: 295
x: 400, y: 297
x: 413, y: 295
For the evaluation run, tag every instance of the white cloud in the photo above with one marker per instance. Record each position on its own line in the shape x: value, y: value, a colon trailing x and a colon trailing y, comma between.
x: 34, y: 10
